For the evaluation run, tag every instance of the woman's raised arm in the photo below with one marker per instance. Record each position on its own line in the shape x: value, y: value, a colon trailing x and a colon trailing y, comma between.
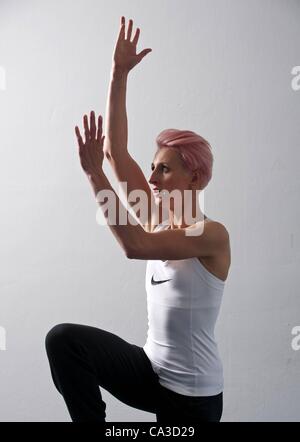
x: 124, y: 59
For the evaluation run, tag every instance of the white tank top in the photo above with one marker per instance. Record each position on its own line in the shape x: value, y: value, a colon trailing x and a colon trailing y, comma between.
x: 182, y: 312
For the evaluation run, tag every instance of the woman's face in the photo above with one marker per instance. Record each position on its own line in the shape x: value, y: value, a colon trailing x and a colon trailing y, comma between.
x: 169, y: 172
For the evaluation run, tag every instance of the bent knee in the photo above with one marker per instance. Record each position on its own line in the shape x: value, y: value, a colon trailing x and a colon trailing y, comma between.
x: 58, y: 334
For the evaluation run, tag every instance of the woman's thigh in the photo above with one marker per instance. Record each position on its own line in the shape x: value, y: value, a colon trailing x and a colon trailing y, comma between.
x: 121, y: 368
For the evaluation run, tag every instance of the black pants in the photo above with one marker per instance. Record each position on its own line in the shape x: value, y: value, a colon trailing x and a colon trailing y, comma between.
x: 82, y: 358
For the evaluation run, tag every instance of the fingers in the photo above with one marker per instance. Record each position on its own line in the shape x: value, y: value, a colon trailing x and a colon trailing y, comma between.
x: 99, y: 131
x: 143, y: 53
x: 79, y: 138
x: 129, y: 30
x: 136, y: 36
x: 90, y: 133
x: 92, y: 125
x: 86, y: 128
x: 121, y: 35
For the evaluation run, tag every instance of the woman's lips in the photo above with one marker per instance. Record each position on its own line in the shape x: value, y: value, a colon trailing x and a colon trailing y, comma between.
x: 158, y: 192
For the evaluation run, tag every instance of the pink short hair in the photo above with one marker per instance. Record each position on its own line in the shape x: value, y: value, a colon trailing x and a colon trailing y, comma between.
x: 194, y: 150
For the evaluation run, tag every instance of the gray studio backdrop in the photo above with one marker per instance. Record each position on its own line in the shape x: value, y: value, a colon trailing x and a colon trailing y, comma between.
x: 221, y: 68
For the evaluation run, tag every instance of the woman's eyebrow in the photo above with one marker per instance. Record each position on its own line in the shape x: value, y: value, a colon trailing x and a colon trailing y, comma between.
x: 152, y: 164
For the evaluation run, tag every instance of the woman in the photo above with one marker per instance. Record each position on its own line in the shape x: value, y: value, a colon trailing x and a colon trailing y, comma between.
x: 177, y: 375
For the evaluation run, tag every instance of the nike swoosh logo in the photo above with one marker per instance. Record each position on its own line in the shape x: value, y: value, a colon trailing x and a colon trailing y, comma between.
x: 153, y: 282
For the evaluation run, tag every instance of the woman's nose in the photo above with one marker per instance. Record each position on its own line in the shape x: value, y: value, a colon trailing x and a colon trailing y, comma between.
x: 152, y: 179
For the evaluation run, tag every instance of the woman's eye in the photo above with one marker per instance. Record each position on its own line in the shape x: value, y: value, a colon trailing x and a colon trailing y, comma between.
x: 163, y: 167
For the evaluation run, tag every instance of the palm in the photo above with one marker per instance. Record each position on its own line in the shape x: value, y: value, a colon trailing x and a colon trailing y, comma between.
x: 125, y: 56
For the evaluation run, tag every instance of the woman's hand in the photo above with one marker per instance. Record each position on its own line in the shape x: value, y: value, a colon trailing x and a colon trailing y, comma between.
x: 91, y: 151
x: 125, y: 56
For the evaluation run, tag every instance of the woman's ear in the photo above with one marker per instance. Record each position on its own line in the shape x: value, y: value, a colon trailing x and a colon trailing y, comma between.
x: 196, y: 176
x: 196, y: 180
x: 193, y: 180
